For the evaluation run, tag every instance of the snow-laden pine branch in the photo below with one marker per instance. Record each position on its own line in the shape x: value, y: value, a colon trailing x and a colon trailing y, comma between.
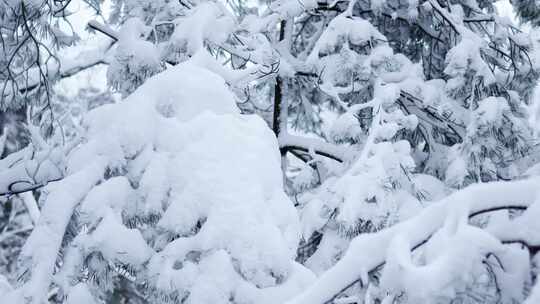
x: 367, y: 252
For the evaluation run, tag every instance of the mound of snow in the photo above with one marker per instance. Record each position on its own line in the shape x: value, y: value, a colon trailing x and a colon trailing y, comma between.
x: 191, y: 199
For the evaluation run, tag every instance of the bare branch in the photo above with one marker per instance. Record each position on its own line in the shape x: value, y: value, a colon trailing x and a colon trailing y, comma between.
x: 107, y: 31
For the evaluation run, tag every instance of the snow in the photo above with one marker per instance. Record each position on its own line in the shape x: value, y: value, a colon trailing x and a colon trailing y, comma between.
x: 430, y: 187
x: 534, y: 110
x: 176, y: 191
x: 456, y: 171
x: 192, y: 31
x: 466, y: 55
x: 165, y: 96
x: 31, y: 206
x: 367, y: 251
x: 491, y: 110
x: 111, y: 195
x: 209, y: 161
x: 43, y: 244
x: 452, y: 256
x: 342, y: 29
x: 288, y: 9
x: 80, y: 294
x: 129, y: 40
x: 386, y: 162
x: 534, y: 297
x: 5, y: 287
x: 314, y: 145
x: 329, y: 252
x: 135, y: 58
x: 3, y: 138
x: 235, y: 201
x: 118, y: 243
x: 30, y: 167
x: 522, y: 228
x: 179, y: 150
x: 61, y: 67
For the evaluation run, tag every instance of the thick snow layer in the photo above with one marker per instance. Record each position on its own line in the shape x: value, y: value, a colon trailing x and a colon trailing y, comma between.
x: 41, y: 249
x: 176, y: 150
x: 80, y: 294
x: 534, y: 110
x: 345, y: 30
x: 368, y: 251
x: 29, y: 168
x: 192, y: 31
x: 111, y: 195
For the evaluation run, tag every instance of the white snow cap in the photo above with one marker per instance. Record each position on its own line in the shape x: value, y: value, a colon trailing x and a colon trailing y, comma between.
x: 178, y: 150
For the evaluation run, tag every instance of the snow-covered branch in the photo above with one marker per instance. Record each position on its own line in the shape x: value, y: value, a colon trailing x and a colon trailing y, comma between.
x: 314, y: 146
x: 426, y: 114
x: 64, y: 69
x: 27, y: 170
x: 367, y: 252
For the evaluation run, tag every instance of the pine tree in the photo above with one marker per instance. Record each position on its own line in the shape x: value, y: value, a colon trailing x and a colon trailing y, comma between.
x: 381, y: 112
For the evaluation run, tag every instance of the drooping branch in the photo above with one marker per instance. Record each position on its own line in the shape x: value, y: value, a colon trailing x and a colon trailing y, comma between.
x: 408, y: 102
x: 367, y: 252
x: 19, y: 174
x: 497, y: 208
x: 51, y: 226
